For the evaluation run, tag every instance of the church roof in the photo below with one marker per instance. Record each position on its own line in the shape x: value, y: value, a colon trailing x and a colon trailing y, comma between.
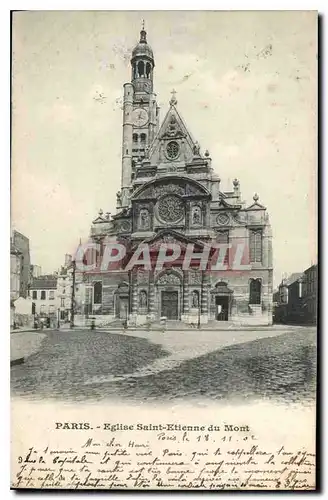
x: 44, y: 282
x: 292, y: 278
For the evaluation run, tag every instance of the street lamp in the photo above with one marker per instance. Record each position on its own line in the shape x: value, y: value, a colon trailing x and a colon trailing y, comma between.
x: 73, y: 294
x: 198, y: 323
x: 58, y: 323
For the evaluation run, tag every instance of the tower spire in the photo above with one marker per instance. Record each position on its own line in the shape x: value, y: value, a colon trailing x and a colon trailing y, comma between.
x: 143, y: 33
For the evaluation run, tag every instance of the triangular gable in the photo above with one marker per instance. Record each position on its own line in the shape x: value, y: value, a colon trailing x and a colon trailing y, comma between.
x: 98, y: 220
x: 173, y: 127
x: 255, y: 206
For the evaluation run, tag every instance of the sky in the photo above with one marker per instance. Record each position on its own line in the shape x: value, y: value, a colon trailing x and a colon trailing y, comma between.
x: 246, y: 87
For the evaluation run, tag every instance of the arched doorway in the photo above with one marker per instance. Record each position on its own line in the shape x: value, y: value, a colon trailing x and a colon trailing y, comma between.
x: 168, y: 286
x: 255, y: 291
x: 221, y: 301
x: 121, y: 300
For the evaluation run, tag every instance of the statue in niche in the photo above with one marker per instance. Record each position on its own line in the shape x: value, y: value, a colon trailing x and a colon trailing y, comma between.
x: 144, y: 219
x: 196, y: 215
x: 143, y: 299
x: 196, y: 149
x: 172, y: 128
x: 195, y: 299
x: 119, y: 199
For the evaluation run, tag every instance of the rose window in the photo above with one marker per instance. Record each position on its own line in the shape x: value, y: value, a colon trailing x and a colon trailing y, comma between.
x: 172, y: 150
x: 170, y: 209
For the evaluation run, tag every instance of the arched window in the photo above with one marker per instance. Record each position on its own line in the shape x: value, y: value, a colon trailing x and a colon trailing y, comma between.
x: 255, y: 291
x: 255, y: 245
x: 97, y: 293
x: 143, y: 138
x: 141, y: 68
x: 135, y: 137
x: 148, y: 69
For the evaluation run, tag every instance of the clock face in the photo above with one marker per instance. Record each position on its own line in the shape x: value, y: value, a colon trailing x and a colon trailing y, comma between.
x: 140, y: 117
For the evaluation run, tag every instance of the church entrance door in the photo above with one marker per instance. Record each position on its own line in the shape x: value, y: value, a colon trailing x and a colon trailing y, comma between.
x: 122, y: 304
x: 222, y: 308
x: 170, y: 305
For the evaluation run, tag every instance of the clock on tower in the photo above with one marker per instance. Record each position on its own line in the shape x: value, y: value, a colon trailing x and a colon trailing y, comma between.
x: 140, y: 117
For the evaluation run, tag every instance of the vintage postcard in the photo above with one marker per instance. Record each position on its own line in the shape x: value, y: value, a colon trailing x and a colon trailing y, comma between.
x: 164, y: 250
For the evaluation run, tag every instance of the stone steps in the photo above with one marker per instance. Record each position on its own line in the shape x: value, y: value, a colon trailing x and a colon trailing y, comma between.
x: 256, y: 309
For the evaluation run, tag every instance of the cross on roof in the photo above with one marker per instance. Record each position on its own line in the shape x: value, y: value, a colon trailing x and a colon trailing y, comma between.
x: 173, y: 98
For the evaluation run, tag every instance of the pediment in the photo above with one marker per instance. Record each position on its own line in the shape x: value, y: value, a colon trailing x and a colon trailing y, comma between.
x: 170, y: 237
x: 99, y: 220
x: 173, y: 128
x: 255, y: 206
x: 179, y: 185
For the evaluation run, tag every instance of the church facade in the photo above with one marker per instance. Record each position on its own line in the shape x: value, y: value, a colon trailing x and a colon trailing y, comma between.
x: 171, y: 194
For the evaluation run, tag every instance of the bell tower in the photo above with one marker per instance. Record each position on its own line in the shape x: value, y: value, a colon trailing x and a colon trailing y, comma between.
x: 140, y: 113
x: 142, y: 66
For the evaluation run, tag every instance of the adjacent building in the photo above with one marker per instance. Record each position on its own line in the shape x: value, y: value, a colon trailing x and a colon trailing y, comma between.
x: 65, y: 298
x: 15, y: 272
x: 43, y: 293
x: 171, y: 193
x: 310, y: 294
x: 35, y: 271
x: 21, y: 243
x: 295, y: 301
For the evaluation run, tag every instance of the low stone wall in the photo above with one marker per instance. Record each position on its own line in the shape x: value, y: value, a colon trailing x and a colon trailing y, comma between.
x: 24, y: 344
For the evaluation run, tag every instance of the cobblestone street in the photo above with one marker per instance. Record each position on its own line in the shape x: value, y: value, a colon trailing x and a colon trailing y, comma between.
x: 95, y: 365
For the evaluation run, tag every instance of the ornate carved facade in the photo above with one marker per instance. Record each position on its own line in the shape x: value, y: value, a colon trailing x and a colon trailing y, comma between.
x: 170, y: 193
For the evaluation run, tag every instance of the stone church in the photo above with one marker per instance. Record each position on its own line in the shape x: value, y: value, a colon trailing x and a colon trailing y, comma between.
x: 171, y: 193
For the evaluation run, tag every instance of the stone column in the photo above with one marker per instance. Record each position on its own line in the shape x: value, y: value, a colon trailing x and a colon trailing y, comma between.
x: 88, y: 300
x: 134, y: 294
x: 151, y: 308
x: 204, y: 297
x: 185, y: 292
